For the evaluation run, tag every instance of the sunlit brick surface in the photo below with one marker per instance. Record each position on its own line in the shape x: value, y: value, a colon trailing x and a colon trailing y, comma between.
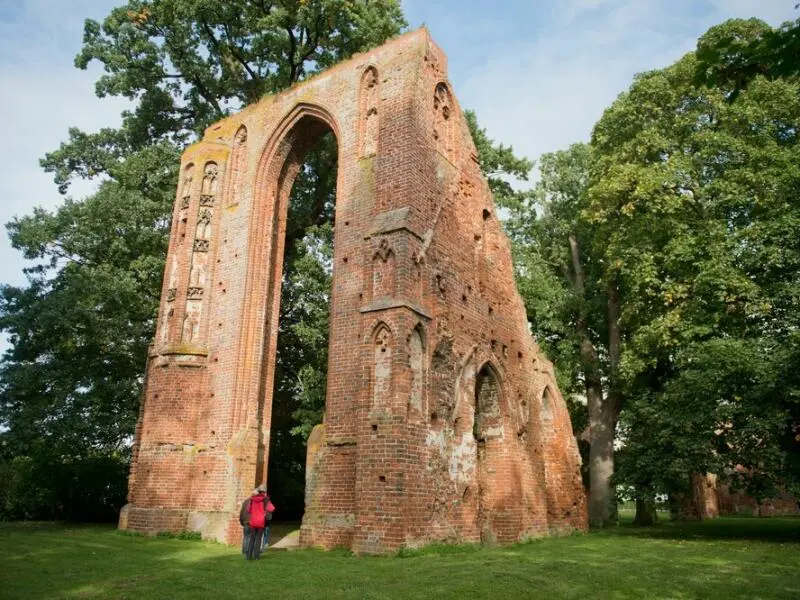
x: 443, y: 420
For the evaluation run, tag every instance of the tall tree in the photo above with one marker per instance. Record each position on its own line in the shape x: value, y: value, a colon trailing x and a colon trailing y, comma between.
x: 573, y: 309
x: 71, y: 379
x: 695, y: 193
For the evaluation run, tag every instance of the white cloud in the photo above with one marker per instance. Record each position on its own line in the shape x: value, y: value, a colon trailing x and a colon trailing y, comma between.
x: 44, y: 95
x: 543, y: 94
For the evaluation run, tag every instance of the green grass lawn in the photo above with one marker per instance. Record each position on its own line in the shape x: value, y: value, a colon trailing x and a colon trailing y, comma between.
x: 728, y: 558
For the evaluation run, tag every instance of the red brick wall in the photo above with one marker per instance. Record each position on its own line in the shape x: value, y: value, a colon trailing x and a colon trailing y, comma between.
x: 424, y: 305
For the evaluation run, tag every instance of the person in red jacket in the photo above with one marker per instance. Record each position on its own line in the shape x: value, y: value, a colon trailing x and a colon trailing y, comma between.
x: 254, y: 517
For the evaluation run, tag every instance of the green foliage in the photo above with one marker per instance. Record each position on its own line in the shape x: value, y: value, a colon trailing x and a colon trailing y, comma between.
x: 694, y: 194
x: 189, y: 536
x: 90, y: 487
x: 540, y: 227
x: 188, y: 63
x: 683, y: 212
x: 731, y: 55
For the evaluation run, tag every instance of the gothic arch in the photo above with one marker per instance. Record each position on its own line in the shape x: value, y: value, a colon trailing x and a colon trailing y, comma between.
x: 444, y: 119
x: 418, y: 368
x: 280, y: 162
x: 377, y: 328
x: 238, y: 168
x: 488, y: 403
x: 547, y: 406
x: 186, y: 181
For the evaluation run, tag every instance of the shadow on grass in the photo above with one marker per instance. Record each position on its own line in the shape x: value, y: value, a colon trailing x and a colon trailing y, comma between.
x: 766, y: 529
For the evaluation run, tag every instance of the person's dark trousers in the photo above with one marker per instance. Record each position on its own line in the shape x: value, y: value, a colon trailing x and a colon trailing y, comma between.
x: 245, y: 538
x: 266, y: 538
x: 253, y: 542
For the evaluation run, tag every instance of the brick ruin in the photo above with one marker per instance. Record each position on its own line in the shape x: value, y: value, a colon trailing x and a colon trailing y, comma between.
x: 711, y: 497
x: 443, y: 420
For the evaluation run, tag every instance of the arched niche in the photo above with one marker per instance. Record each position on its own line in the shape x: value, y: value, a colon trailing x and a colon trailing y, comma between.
x: 488, y: 423
x: 369, y: 109
x: 381, y: 368
x: 416, y: 360
x: 444, y: 121
x: 547, y: 405
x: 184, y: 200
x: 238, y: 167
x: 210, y: 175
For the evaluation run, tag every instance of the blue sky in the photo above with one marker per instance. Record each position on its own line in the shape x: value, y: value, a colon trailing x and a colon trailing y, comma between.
x: 537, y: 72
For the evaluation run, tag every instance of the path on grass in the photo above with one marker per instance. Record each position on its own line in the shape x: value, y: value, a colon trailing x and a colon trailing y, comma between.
x: 284, y: 536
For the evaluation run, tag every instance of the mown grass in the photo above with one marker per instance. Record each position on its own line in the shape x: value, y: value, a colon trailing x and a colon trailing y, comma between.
x: 728, y: 558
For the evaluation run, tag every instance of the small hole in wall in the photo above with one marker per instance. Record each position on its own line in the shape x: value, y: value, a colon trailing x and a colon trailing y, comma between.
x: 462, y: 317
x: 205, y: 472
x: 477, y: 237
x: 224, y: 290
x: 345, y: 260
x: 216, y: 359
x: 486, y: 214
x: 382, y: 478
x: 219, y: 260
x: 463, y: 297
x: 434, y: 417
x: 383, y: 349
x: 491, y: 310
x: 213, y: 432
x: 219, y: 324
x: 236, y: 255
x: 469, y: 288
x: 347, y: 222
x: 361, y: 296
x: 374, y: 427
x: 155, y: 395
x: 519, y: 355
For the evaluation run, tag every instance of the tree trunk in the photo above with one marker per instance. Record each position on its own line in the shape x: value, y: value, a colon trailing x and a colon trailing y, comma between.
x: 602, y: 496
x: 645, y: 510
x: 602, y: 419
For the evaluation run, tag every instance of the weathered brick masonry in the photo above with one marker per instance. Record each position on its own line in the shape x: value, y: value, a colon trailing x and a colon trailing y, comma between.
x: 443, y: 421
